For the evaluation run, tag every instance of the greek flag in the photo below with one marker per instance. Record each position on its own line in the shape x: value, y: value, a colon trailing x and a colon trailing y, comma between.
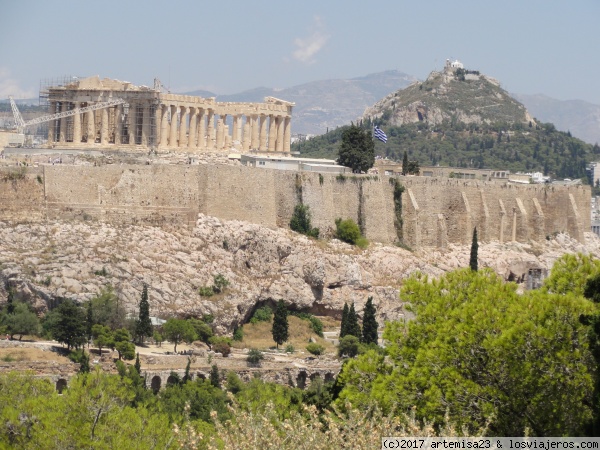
x: 379, y: 134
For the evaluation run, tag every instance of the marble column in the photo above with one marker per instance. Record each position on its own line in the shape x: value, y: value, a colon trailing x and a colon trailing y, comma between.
x: 104, y: 127
x: 254, y: 139
x: 246, y: 134
x: 77, y: 125
x: 173, y: 131
x: 118, y: 124
x: 263, y: 133
x: 202, y: 129
x: 183, y: 126
x: 210, y: 133
x: 164, y: 123
x: 287, y: 134
x: 91, y: 127
x: 220, y: 131
x: 63, y: 123
x: 279, y: 133
x: 235, y: 135
x: 192, y: 136
x: 272, y: 132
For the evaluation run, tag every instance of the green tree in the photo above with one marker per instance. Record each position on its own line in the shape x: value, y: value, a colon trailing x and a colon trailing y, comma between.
x: 300, y: 221
x: 22, y: 321
x: 215, y: 377
x: 234, y: 384
x: 178, y: 330
x: 353, y: 327
x: 107, y: 309
x: 348, y: 346
x: 158, y: 338
x: 405, y: 164
x: 143, y: 325
x: 138, y: 365
x: 570, y: 273
x: 357, y: 149
x: 123, y: 344
x: 370, y: 326
x: 280, y: 324
x: 481, y: 353
x: 102, y: 337
x: 474, y: 250
x: 89, y: 321
x: 344, y: 324
x: 70, y: 328
x: 203, y: 331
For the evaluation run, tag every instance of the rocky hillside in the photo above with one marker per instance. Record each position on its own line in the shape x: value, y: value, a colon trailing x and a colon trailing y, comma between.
x: 453, y: 96
x: 44, y: 263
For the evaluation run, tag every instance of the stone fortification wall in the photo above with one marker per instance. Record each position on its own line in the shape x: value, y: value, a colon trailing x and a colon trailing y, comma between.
x: 447, y: 210
x: 435, y: 212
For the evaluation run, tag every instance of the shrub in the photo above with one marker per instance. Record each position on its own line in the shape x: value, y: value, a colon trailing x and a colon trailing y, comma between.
x: 315, y: 324
x: 347, y: 231
x: 206, y: 291
x: 221, y: 345
x: 238, y: 334
x: 219, y: 283
x: 262, y: 314
x: 300, y: 221
x: 290, y: 348
x: 255, y: 356
x: 315, y: 349
x: 349, y: 346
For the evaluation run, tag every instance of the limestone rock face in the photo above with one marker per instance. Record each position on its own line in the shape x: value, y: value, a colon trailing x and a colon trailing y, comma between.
x: 77, y: 259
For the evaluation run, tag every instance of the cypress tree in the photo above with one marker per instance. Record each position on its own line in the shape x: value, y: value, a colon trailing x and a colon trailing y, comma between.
x: 353, y: 328
x: 474, y: 249
x: 143, y: 326
x: 280, y: 324
x: 137, y: 364
x: 344, y: 325
x: 214, y: 376
x: 10, y: 306
x: 369, y: 331
x: 405, y: 163
x: 89, y: 322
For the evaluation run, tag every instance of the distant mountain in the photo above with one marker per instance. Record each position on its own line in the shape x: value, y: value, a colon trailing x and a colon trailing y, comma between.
x: 326, y: 104
x: 581, y: 118
x: 462, y: 118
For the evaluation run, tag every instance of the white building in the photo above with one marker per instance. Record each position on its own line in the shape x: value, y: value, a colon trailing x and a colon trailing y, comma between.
x: 297, y: 164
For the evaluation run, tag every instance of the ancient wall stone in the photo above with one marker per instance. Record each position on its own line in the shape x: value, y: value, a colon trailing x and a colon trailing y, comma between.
x: 435, y: 212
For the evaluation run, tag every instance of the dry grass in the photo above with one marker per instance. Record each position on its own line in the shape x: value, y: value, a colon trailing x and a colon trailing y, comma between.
x: 30, y: 354
x: 259, y: 335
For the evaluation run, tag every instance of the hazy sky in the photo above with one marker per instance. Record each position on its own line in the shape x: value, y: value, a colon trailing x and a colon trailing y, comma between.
x: 531, y: 46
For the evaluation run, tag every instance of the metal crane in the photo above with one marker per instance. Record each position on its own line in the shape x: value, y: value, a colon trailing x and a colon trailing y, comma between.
x: 21, y: 124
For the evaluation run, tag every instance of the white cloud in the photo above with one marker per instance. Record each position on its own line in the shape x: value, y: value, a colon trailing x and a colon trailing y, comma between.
x: 10, y: 86
x: 308, y: 47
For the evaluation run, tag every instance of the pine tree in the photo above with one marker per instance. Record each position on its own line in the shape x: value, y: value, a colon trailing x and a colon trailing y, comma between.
x: 280, y: 324
x: 405, y: 163
x: 353, y: 328
x: 344, y: 325
x: 369, y: 331
x: 143, y: 326
x: 474, y: 249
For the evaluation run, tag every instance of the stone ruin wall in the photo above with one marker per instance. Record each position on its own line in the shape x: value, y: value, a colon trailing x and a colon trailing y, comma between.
x: 435, y: 212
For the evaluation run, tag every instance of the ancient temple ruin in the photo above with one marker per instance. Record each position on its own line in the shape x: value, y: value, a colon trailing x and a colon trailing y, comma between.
x: 149, y: 118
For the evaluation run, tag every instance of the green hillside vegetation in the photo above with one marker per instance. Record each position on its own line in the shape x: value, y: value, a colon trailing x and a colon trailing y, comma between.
x: 476, y: 125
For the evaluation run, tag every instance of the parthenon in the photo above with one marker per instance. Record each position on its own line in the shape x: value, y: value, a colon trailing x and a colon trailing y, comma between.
x: 152, y: 119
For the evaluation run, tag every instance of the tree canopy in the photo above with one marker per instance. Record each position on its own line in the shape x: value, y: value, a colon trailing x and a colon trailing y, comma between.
x: 280, y: 324
x: 357, y: 149
x: 483, y: 354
